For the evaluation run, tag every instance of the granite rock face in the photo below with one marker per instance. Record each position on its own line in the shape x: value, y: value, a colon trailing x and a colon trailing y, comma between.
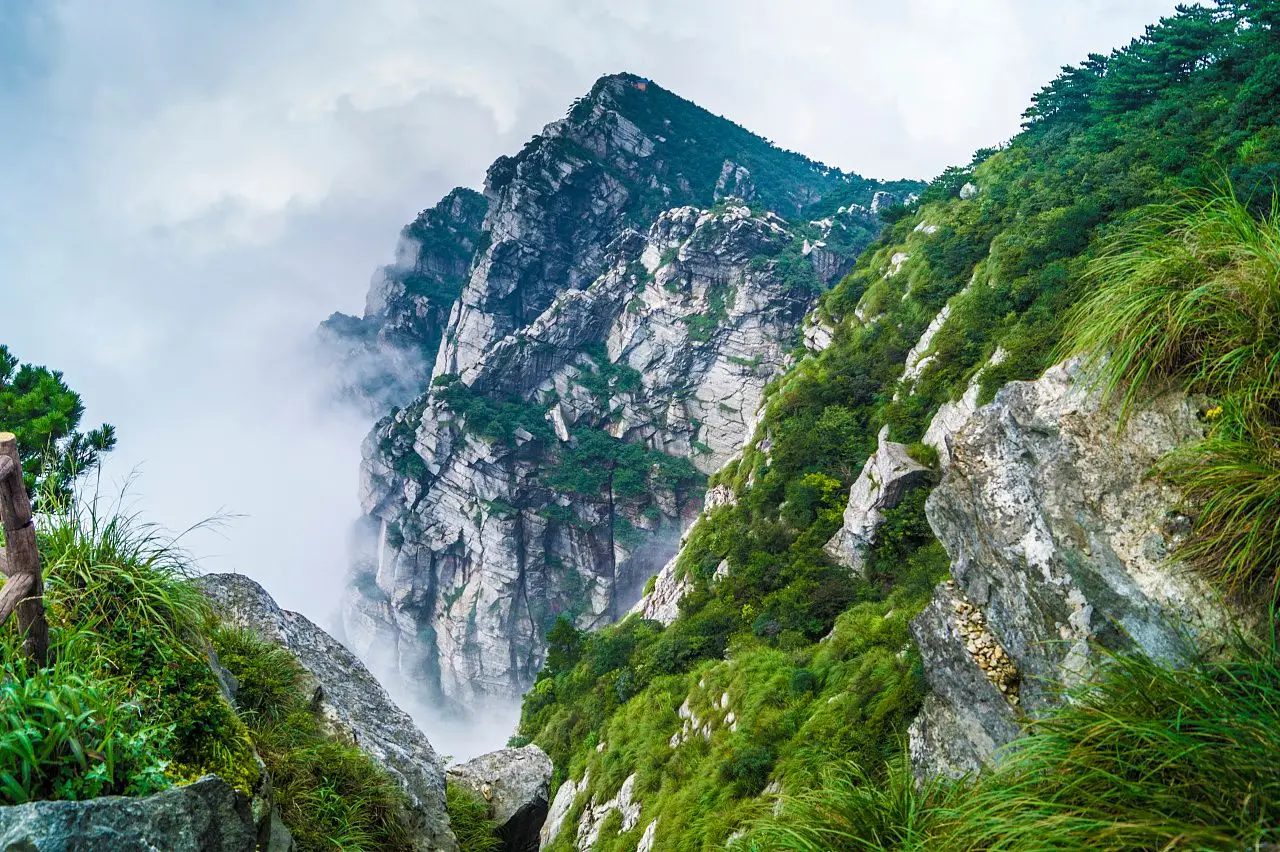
x: 516, y: 784
x: 625, y: 295
x: 206, y: 816
x: 1058, y: 539
x: 384, y: 358
x: 351, y: 700
x: 887, y: 476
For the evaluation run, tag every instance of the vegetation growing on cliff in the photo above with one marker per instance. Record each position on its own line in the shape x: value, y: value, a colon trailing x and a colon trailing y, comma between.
x: 1147, y: 757
x: 700, y: 144
x: 1191, y: 293
x: 1191, y: 100
x: 130, y: 704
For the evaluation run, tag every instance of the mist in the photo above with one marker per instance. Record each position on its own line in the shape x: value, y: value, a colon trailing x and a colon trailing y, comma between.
x: 188, y: 189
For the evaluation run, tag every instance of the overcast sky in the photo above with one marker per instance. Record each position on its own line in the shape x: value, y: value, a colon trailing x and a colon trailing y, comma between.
x: 186, y: 189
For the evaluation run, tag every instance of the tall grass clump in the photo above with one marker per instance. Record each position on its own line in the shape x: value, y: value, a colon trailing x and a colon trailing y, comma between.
x: 469, y: 818
x: 853, y: 810
x: 330, y: 793
x: 129, y: 703
x: 67, y: 732
x: 1190, y: 293
x: 1190, y: 290
x: 1147, y: 757
x: 1150, y: 758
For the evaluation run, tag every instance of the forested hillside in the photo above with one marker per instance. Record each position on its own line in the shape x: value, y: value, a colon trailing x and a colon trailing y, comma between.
x: 818, y: 670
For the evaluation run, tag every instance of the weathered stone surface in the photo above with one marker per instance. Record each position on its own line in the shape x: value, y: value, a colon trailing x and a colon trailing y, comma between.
x: 207, y: 816
x: 516, y: 784
x: 734, y: 182
x: 887, y: 476
x: 662, y: 603
x: 594, y: 814
x: 952, y: 416
x: 383, y: 359
x: 881, y: 200
x: 1058, y: 539
x: 560, y: 807
x: 603, y: 297
x: 353, y: 703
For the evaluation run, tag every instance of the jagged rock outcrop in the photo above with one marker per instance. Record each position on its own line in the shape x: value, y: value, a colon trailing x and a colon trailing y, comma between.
x: 603, y: 300
x: 351, y: 700
x: 206, y: 816
x: 662, y: 602
x: 384, y: 358
x: 952, y: 416
x: 516, y: 784
x: 887, y: 476
x: 1059, y: 539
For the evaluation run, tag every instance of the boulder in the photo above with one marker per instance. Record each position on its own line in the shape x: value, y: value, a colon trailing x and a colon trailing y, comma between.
x: 885, y: 479
x: 1058, y: 538
x: 516, y: 784
x: 352, y: 701
x: 882, y: 200
x: 207, y: 816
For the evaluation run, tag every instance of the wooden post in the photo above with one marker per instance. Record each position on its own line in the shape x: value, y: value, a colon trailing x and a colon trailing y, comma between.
x: 24, y: 590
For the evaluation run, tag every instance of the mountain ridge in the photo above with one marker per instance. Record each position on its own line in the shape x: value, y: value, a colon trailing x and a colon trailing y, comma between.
x: 632, y: 290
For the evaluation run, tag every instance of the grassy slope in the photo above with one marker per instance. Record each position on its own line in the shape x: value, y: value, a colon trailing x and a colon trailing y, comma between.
x: 1190, y: 102
x: 130, y: 704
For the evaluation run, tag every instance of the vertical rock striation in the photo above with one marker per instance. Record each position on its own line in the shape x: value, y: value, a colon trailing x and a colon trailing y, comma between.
x: 1059, y: 539
x: 640, y: 274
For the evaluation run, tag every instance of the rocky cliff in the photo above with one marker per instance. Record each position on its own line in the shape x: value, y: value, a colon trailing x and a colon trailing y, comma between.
x: 640, y: 275
x: 1059, y: 541
x: 383, y: 359
x: 354, y: 705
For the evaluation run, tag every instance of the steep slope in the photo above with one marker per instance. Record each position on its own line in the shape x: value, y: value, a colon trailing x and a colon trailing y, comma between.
x: 640, y: 275
x: 384, y: 358
x: 778, y: 662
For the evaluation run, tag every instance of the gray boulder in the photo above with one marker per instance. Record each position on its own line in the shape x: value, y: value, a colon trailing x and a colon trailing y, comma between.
x: 883, y: 199
x: 352, y: 701
x: 207, y: 816
x: 516, y: 784
x: 885, y: 479
x: 1059, y: 539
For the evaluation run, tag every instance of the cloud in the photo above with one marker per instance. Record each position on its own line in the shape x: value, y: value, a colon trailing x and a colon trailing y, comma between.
x: 190, y: 187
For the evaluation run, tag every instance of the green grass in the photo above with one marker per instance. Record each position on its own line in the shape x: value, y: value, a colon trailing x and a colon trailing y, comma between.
x: 129, y: 704
x: 330, y: 794
x: 851, y: 809
x: 469, y: 817
x: 1146, y: 758
x: 1190, y: 291
x: 1190, y: 294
